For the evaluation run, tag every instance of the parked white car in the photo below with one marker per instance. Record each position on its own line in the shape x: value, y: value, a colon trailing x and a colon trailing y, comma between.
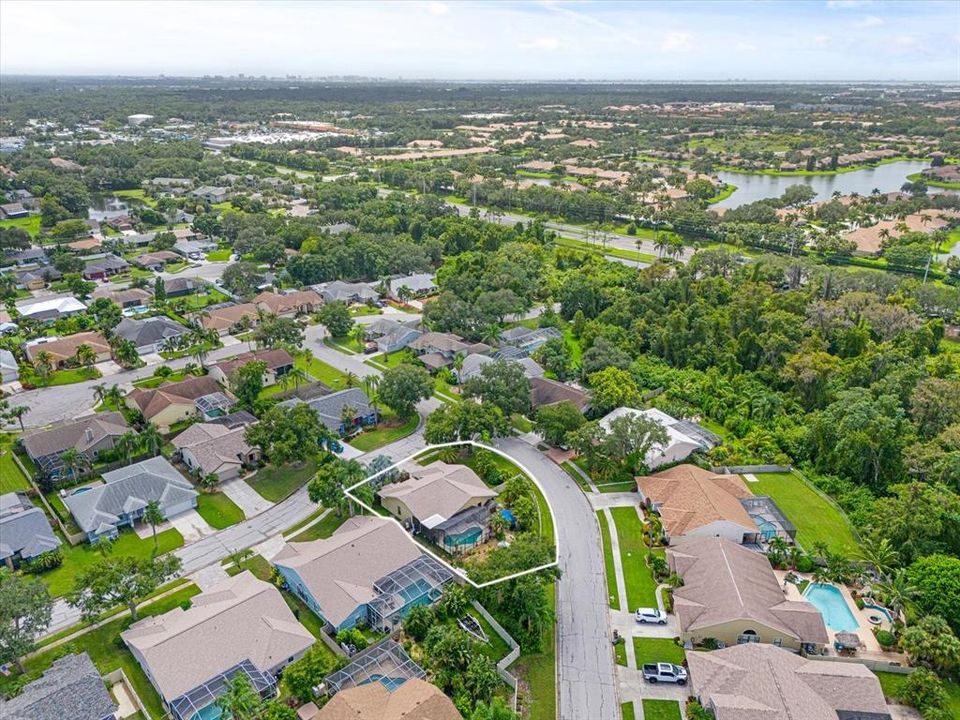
x: 651, y: 615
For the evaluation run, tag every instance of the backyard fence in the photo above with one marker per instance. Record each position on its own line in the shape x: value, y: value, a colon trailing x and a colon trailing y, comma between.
x: 508, y: 659
x: 72, y: 538
x: 738, y: 469
x: 875, y: 665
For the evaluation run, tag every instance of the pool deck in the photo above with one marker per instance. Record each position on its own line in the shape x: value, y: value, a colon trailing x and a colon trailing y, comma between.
x: 871, y: 649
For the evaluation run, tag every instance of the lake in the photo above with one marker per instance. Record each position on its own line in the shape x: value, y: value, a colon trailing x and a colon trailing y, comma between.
x: 752, y: 186
x: 106, y: 207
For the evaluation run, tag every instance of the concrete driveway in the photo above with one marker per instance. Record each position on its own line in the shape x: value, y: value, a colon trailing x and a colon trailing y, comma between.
x: 245, y: 497
x: 585, y: 669
x: 191, y: 526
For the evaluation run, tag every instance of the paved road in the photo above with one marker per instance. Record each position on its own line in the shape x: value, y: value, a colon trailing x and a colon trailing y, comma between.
x: 586, y: 679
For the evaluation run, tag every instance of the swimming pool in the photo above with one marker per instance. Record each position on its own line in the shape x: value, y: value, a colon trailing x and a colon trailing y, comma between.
x: 468, y: 537
x: 878, y: 609
x: 389, y: 683
x: 832, y: 606
x: 210, y: 712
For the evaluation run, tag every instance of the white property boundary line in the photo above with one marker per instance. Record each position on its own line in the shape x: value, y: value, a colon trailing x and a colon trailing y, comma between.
x: 460, y: 572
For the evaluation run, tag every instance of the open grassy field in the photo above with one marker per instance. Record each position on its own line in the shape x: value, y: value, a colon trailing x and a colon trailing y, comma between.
x: 638, y: 577
x: 609, y: 567
x: 275, y: 483
x: 30, y: 224
x: 816, y: 519
x: 661, y: 709
x: 610, y: 250
x: 28, y: 377
x: 77, y: 558
x: 11, y: 479
x: 219, y: 510
x: 386, y: 432
x: 319, y: 370
x: 136, y: 194
x: 892, y: 685
x: 108, y: 653
x: 652, y: 650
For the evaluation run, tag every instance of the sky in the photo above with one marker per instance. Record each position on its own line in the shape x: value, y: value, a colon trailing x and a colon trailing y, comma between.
x: 509, y: 40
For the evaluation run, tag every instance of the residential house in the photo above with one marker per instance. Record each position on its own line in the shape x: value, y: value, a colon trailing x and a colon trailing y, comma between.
x: 35, y: 277
x: 156, y: 260
x: 193, y: 249
x: 730, y: 594
x: 349, y: 293
x: 138, y: 239
x: 12, y: 211
x: 63, y: 350
x: 278, y: 361
x: 89, y: 436
x: 239, y: 625
x: 693, y: 502
x: 229, y: 318
x: 683, y: 437
x: 66, y: 165
x: 337, y: 228
x: 181, y: 286
x: 299, y: 302
x: 9, y: 370
x: 126, y: 298
x: 211, y: 194
x: 414, y: 699
x: 215, y: 449
x: 345, y: 411
x: 101, y: 510
x: 30, y: 256
x: 473, y: 365
x: 418, y: 285
x: 85, y: 245
x: 52, y: 307
x: 168, y: 183
x: 548, y: 392
x: 172, y: 402
x: 122, y: 223
x: 24, y: 530
x: 391, y: 335
x: 437, y: 350
x: 529, y: 340
x: 26, y: 198
x: 370, y: 571
x: 762, y: 682
x: 151, y: 334
x: 70, y: 689
x: 449, y: 504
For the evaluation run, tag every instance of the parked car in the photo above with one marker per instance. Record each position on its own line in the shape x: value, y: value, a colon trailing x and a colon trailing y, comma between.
x: 651, y: 615
x: 665, y: 672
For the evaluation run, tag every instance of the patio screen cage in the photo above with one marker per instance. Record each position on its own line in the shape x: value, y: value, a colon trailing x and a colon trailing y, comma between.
x: 190, y: 703
x: 52, y: 465
x: 419, y: 582
x: 463, y: 530
x: 386, y: 663
x: 765, y: 513
x: 214, y: 405
x: 698, y: 432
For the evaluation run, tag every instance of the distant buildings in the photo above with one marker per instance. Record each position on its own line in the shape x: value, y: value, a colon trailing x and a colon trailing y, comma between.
x: 138, y: 119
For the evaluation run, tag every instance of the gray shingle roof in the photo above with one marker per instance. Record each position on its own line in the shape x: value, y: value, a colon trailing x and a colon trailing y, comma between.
x: 149, y: 331
x: 128, y: 490
x: 71, y: 689
x: 24, y: 528
x: 329, y: 407
x: 79, y: 434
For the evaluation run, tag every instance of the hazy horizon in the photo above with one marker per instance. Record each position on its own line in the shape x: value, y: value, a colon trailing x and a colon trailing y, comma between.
x: 509, y: 41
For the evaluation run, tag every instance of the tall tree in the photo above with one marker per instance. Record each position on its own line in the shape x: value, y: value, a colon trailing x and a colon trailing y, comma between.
x: 153, y: 515
x: 117, y: 581
x: 402, y: 387
x: 25, y: 612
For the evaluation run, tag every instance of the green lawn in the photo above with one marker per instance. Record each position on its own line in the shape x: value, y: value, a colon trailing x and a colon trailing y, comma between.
x: 197, y: 301
x: 661, y: 709
x: 275, y: 483
x: 620, y: 653
x: 77, y: 558
x: 11, y: 479
x: 540, y: 670
x: 31, y: 224
x: 319, y: 370
x: 598, y: 249
x: 641, y: 586
x: 576, y: 350
x: 137, y: 194
x: 156, y: 381
x: 61, y: 377
x: 385, y: 433
x: 892, y: 685
x: 219, y: 255
x: 108, y: 652
x: 616, y: 487
x: 391, y: 360
x: 816, y: 519
x: 322, y: 530
x: 652, y: 650
x: 348, y: 345
x: 627, y: 712
x: 219, y: 510
x: 611, y: 572
x: 256, y: 564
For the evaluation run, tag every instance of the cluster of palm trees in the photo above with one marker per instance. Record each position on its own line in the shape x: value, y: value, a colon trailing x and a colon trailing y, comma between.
x: 197, y: 344
x: 44, y: 365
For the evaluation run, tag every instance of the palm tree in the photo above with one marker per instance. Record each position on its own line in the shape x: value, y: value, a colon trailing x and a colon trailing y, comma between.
x: 662, y: 245
x: 297, y: 376
x: 240, y: 701
x: 350, y: 379
x: 44, y: 364
x: 200, y: 352
x: 150, y: 437
x: 18, y: 411
x: 879, y: 555
x: 99, y: 393
x: 820, y: 549
x: 240, y: 556
x: 404, y: 294
x: 125, y: 352
x: 73, y: 462
x: 85, y: 355
x: 114, y: 397
x: 170, y: 344
x: 154, y: 515
x: 897, y: 592
x: 126, y: 444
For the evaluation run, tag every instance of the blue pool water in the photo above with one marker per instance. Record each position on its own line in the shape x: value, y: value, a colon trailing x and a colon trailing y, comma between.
x: 389, y: 683
x: 878, y: 610
x: 831, y: 604
x: 415, y: 590
x: 469, y: 537
x: 210, y: 712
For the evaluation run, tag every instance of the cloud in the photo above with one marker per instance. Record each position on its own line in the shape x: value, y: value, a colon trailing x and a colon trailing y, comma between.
x: 846, y: 4
x: 677, y: 42
x: 542, y: 43
x: 437, y: 8
x: 870, y: 21
x: 821, y: 39
x: 742, y: 46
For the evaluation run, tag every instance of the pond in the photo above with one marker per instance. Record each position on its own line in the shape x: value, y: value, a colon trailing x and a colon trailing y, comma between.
x: 106, y: 207
x: 887, y: 178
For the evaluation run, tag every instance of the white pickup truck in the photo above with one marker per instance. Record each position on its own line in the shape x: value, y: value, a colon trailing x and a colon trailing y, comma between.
x: 665, y: 672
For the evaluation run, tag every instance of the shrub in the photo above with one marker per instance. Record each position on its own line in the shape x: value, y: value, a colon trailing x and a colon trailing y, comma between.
x: 186, y: 604
x: 43, y: 562
x: 923, y: 690
x: 885, y: 638
x: 710, y: 643
x: 805, y: 564
x: 696, y: 711
x: 859, y: 603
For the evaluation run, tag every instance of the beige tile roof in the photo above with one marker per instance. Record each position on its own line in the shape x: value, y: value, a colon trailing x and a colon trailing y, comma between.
x: 340, y: 571
x: 214, y: 445
x: 151, y: 401
x: 689, y: 497
x: 274, y: 359
x: 279, y: 304
x: 723, y: 581
x: 438, y: 491
x: 414, y: 700
x: 226, y: 317
x: 764, y: 682
x: 66, y: 347
x: 239, y: 619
